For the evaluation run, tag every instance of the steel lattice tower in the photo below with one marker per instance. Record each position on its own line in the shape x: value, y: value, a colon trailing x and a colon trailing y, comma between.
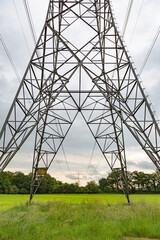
x: 93, y: 76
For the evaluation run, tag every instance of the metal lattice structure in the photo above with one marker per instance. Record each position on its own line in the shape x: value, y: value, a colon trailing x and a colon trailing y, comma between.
x: 91, y: 75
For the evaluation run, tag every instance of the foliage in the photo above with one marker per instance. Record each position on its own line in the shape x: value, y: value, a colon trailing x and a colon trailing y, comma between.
x: 5, y: 183
x: 137, y: 182
x: 19, y: 183
x: 92, y: 187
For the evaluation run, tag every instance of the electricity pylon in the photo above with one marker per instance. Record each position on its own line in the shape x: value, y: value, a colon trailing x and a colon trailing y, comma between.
x: 79, y: 66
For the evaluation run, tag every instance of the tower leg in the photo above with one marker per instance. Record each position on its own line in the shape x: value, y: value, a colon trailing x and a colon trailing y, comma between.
x: 107, y: 130
x: 50, y: 134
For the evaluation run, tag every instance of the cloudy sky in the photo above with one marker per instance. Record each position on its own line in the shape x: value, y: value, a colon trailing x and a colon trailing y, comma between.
x: 141, y: 29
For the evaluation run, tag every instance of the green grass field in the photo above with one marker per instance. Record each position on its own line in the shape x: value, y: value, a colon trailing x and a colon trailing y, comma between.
x: 9, y: 201
x: 79, y: 217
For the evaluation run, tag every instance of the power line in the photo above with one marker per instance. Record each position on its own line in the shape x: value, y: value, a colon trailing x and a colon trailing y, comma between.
x: 21, y: 26
x: 9, y: 57
x: 127, y: 17
x: 30, y: 21
x: 150, y: 49
x: 65, y: 157
x: 136, y: 21
x: 94, y: 170
x: 60, y: 167
x: 91, y: 157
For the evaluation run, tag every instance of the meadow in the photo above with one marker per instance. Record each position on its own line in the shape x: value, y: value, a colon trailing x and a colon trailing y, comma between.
x: 79, y: 217
x: 9, y: 201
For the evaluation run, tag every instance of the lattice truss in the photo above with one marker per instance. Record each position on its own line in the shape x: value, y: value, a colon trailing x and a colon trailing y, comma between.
x: 79, y: 65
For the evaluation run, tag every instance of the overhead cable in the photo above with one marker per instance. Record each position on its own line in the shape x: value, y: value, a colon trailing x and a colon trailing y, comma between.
x: 150, y: 50
x: 21, y: 26
x: 127, y: 17
x: 65, y: 157
x: 60, y: 167
x: 136, y: 21
x: 91, y: 157
x: 30, y: 21
x: 95, y: 169
x: 9, y: 57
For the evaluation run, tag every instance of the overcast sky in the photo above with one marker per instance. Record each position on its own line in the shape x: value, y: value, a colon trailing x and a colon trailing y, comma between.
x: 78, y: 147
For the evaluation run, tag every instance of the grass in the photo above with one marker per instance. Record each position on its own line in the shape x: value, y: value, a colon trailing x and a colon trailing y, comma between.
x: 84, y: 221
x: 80, y: 217
x: 9, y: 201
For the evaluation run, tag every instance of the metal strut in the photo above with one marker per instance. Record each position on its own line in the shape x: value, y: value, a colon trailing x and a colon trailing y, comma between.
x: 71, y: 73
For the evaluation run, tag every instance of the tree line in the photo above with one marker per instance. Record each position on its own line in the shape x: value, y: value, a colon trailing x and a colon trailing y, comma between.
x: 19, y: 183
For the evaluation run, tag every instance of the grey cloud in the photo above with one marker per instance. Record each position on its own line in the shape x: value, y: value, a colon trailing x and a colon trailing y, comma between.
x: 72, y: 177
x: 142, y: 165
x: 93, y: 170
x: 78, y: 177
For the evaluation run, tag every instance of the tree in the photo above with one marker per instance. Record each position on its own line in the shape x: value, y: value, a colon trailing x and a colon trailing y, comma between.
x: 47, y: 184
x: 156, y: 181
x: 69, y: 188
x: 103, y: 184
x: 92, y: 187
x: 113, y: 179
x: 139, y: 180
x: 5, y: 183
x: 131, y: 185
x: 22, y: 182
x: 57, y: 187
x: 18, y: 182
